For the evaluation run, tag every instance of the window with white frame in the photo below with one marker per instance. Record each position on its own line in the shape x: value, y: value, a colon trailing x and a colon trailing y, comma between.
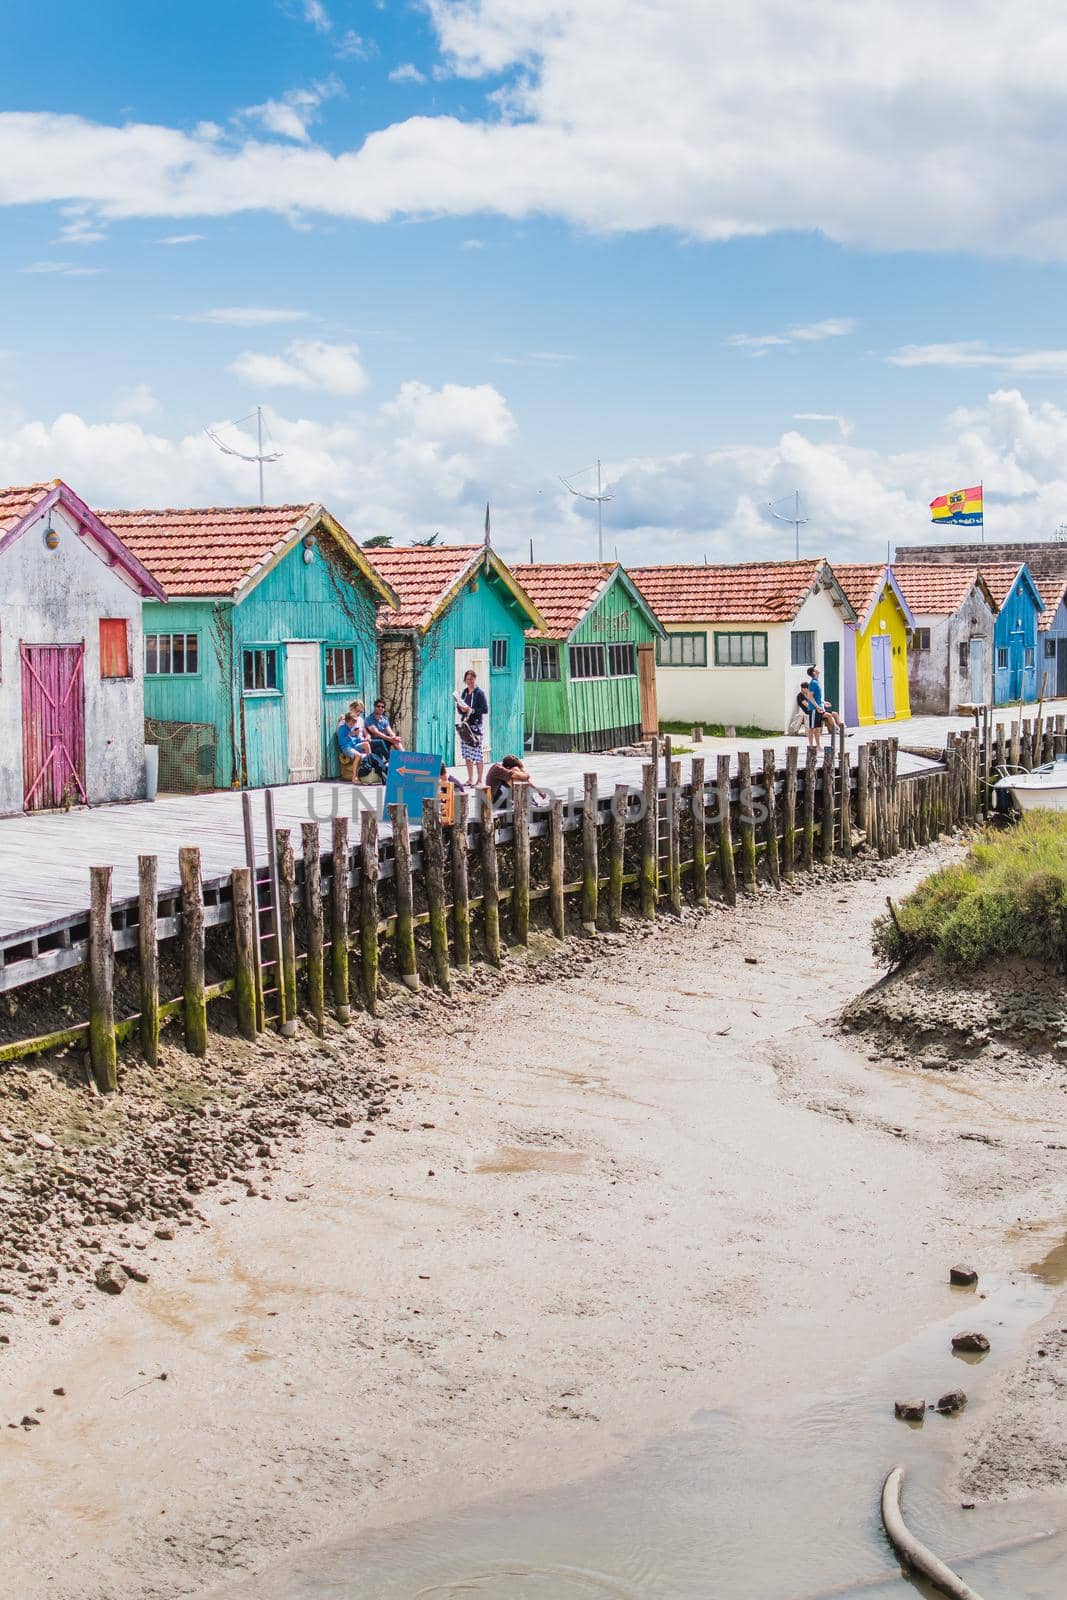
x: 340, y: 666
x: 260, y: 669
x: 542, y: 662
x: 802, y: 647
x: 1050, y: 648
x: 498, y: 655
x: 1002, y: 660
x: 587, y: 661
x: 171, y: 654
x: 622, y: 661
x: 920, y: 639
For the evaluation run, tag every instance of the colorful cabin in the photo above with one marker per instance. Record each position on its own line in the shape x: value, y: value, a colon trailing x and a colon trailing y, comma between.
x: 270, y: 632
x: 1015, y: 635
x: 876, y: 666
x: 460, y: 609
x: 1052, y: 637
x: 739, y: 640
x: 71, y: 683
x: 950, y: 653
x: 591, y: 680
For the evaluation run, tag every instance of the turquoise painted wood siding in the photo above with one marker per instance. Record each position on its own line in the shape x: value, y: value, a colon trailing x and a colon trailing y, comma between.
x: 319, y: 602
x: 482, y: 612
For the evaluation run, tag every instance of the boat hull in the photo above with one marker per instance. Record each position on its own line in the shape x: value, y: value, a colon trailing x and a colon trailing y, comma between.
x: 1036, y: 796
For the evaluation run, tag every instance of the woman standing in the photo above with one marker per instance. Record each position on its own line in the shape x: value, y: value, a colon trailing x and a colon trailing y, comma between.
x: 473, y: 709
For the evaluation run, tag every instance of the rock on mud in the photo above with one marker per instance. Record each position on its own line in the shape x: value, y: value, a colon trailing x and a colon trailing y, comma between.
x: 963, y: 1277
x: 910, y: 1410
x: 954, y: 1401
x: 110, y: 1277
x: 970, y: 1343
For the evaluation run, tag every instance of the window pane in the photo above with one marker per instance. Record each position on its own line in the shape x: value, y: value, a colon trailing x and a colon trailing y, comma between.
x: 271, y: 658
x: 177, y: 652
x: 761, y: 649
x: 192, y: 653
x: 164, y: 652
x: 150, y: 653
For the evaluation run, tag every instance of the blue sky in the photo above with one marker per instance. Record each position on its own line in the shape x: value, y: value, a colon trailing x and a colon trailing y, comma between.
x: 456, y: 249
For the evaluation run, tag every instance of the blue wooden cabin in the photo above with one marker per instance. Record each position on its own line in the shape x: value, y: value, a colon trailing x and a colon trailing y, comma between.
x: 460, y: 607
x: 1016, y: 671
x: 271, y: 631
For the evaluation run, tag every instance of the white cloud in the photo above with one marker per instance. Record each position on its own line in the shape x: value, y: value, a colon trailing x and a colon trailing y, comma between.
x: 407, y: 72
x: 353, y: 47
x: 135, y: 401
x: 805, y: 333
x: 306, y: 364
x: 843, y: 425
x: 976, y: 353
x: 80, y: 229
x: 62, y: 269
x: 473, y: 244
x: 315, y: 13
x: 247, y: 316
x: 291, y: 116
x: 182, y: 238
x: 878, y: 125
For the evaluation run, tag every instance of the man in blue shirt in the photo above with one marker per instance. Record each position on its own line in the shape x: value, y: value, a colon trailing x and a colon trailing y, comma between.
x: 384, y: 738
x: 829, y: 715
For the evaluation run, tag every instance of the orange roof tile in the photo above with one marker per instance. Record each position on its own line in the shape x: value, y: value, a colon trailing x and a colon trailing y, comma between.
x: 759, y: 591
x: 210, y: 550
x: 16, y: 503
x: 937, y: 591
x: 564, y: 591
x: 1051, y: 589
x: 861, y: 582
x: 422, y: 576
x: 1000, y: 576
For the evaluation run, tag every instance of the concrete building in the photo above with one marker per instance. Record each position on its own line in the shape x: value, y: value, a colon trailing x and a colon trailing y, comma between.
x: 740, y: 639
x: 950, y: 654
x: 71, y: 681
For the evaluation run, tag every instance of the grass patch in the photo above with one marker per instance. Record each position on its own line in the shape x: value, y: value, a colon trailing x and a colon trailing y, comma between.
x: 1008, y: 897
x: 717, y: 730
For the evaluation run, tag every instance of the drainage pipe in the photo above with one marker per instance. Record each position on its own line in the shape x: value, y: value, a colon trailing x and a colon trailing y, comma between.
x: 908, y: 1548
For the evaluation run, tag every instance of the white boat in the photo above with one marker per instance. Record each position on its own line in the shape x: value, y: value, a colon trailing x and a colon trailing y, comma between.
x: 1044, y: 789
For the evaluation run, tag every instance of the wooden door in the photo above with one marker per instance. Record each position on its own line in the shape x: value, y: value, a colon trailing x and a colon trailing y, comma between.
x: 53, y: 724
x: 831, y: 673
x: 882, y: 678
x: 977, y: 660
x: 303, y: 711
x: 646, y: 685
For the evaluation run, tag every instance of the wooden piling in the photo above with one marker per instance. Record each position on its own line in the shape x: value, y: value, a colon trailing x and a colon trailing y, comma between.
x: 616, y: 865
x: 650, y: 840
x: 286, y: 969
x: 368, y: 911
x: 789, y: 815
x: 810, y: 769
x: 699, y: 885
x: 433, y: 873
x: 490, y: 879
x: 244, y: 957
x: 148, y: 952
x: 103, y: 1050
x: 894, y: 792
x: 746, y: 821
x: 846, y: 796
x: 1015, y: 744
x: 313, y: 921
x: 727, y: 866
x: 826, y: 821
x: 590, y: 868
x: 194, y: 1003
x: 461, y: 900
x: 555, y: 866
x: 863, y: 779
x: 339, y: 904
x: 674, y: 850
x: 1059, y: 737
x: 407, y: 964
x: 770, y: 827
x: 250, y: 863
x: 520, y: 892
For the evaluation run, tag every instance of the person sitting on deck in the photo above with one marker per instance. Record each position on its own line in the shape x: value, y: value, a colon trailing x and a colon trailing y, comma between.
x: 384, y: 738
x: 356, y: 757
x: 505, y: 772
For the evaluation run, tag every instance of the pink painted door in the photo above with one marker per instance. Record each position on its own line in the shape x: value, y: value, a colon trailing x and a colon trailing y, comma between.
x: 53, y: 724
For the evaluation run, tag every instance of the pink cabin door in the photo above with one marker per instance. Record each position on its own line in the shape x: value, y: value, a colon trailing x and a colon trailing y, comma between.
x: 53, y: 724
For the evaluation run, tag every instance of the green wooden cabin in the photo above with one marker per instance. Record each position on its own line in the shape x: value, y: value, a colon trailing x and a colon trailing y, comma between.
x: 269, y: 632
x: 591, y: 675
x: 460, y: 607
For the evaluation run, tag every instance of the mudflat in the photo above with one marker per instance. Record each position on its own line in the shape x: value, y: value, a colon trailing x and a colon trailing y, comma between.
x: 642, y: 1180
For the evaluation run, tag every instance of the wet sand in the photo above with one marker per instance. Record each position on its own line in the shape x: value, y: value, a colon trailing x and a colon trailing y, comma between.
x: 628, y: 1190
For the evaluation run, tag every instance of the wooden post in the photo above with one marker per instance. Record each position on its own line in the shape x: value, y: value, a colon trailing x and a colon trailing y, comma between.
x: 244, y: 956
x: 619, y: 804
x: 313, y: 918
x: 667, y: 760
x: 1059, y: 737
x: 194, y: 1003
x: 287, y: 923
x: 650, y: 840
x: 826, y: 824
x: 250, y: 863
x: 894, y: 791
x: 555, y: 866
x: 863, y: 780
x: 148, y: 951
x: 275, y: 904
x: 368, y: 910
x: 727, y: 865
x: 103, y: 1052
x: 674, y: 847
x: 987, y: 760
x: 846, y: 798
x: 789, y: 815
x: 520, y: 849
x: 405, y: 897
x: 999, y: 747
x: 490, y: 880
x: 700, y: 833
x: 1015, y: 746
x: 461, y: 900
x: 746, y: 821
x: 810, y: 769
x: 590, y: 865
x: 433, y: 874
x: 339, y: 902
x: 770, y: 802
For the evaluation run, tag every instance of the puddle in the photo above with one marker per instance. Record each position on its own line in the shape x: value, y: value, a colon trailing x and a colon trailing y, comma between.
x: 1052, y: 1268
x: 533, y: 1158
x: 778, y: 1500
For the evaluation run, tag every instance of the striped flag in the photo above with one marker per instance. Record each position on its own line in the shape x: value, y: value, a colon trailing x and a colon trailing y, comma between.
x: 962, y: 506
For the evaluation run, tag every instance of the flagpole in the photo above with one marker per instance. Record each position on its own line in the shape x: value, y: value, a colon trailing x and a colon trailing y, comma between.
x: 981, y: 488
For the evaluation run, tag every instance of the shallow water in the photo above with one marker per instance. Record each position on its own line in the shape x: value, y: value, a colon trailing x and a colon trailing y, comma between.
x: 769, y: 1501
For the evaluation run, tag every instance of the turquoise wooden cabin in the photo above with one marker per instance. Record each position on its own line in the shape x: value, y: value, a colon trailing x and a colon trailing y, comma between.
x: 270, y: 631
x: 591, y: 683
x: 1016, y: 675
x: 460, y: 608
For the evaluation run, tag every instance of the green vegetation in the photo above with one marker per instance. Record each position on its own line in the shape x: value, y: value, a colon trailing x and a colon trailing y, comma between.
x: 717, y: 730
x: 1008, y: 897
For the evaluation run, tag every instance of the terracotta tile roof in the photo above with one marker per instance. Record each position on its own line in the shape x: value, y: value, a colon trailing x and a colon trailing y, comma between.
x: 563, y: 591
x: 1000, y: 575
x: 759, y: 591
x: 1051, y: 588
x: 421, y: 575
x: 16, y: 503
x: 937, y: 591
x: 861, y: 582
x: 209, y: 550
